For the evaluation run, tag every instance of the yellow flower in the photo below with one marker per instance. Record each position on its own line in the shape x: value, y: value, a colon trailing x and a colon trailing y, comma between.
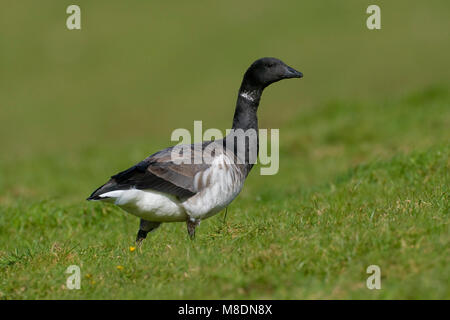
x: 119, y: 268
x: 132, y: 249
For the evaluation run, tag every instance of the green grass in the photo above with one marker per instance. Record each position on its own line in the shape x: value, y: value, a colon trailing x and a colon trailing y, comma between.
x: 364, y: 149
x: 281, y: 239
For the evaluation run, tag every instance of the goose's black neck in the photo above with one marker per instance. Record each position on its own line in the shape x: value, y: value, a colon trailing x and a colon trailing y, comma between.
x: 246, y: 106
x: 245, y: 118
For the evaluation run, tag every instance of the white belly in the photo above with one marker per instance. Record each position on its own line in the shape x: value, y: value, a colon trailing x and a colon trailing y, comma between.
x: 149, y: 205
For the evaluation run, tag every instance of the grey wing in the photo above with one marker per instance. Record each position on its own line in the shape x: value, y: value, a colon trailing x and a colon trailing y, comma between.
x: 157, y: 172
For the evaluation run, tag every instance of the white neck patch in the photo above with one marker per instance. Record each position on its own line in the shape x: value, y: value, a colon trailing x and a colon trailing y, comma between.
x: 247, y: 95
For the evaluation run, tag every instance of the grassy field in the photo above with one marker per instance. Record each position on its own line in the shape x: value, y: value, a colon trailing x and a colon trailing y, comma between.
x: 364, y: 173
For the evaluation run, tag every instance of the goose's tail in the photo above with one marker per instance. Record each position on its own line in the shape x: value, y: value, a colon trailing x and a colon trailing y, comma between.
x: 107, y: 191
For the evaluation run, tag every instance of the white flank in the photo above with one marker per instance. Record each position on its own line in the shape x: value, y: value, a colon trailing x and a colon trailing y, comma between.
x: 222, y: 182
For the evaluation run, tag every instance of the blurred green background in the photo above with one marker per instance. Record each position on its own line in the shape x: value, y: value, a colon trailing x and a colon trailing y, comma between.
x: 78, y: 106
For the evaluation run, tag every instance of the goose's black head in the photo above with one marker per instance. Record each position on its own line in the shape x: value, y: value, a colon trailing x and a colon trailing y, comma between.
x: 266, y: 71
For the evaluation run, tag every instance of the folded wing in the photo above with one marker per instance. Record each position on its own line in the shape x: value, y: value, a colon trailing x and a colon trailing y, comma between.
x: 158, y: 172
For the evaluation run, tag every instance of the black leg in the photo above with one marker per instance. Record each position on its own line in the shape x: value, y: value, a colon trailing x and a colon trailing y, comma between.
x: 192, y: 223
x: 225, y: 215
x: 144, y: 228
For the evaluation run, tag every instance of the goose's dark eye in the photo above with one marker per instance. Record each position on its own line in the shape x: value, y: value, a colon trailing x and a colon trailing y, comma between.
x: 270, y: 65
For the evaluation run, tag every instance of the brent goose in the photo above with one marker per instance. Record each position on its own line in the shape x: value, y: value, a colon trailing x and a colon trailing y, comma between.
x: 163, y: 189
